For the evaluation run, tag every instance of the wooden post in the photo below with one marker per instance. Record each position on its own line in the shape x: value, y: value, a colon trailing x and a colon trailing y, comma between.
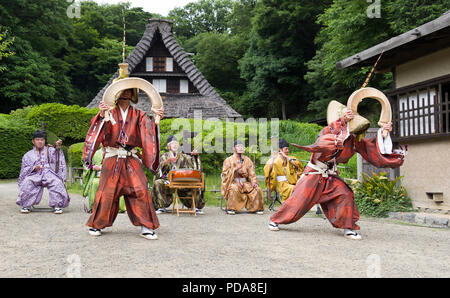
x: 70, y: 175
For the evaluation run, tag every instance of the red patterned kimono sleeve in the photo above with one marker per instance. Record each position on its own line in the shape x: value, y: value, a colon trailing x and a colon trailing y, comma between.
x: 149, y: 134
x: 369, y: 150
x: 94, y: 137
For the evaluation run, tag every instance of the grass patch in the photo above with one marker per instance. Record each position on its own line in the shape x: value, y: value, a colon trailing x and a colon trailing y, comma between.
x: 4, y: 181
x: 74, y: 188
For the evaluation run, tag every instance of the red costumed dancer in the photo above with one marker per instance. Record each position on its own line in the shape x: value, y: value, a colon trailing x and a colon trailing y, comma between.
x: 320, y: 183
x: 122, y: 170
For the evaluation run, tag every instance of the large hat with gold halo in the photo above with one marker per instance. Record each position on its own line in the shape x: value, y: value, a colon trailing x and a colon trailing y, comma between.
x: 123, y: 82
x: 359, y: 124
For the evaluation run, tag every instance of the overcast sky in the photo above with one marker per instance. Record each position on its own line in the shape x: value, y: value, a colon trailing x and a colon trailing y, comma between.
x: 156, y: 6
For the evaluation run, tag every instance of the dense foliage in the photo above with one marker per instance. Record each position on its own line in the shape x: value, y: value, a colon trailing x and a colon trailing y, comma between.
x: 61, y: 59
x: 267, y: 58
x: 75, y: 155
x: 70, y: 123
x: 346, y: 30
x: 15, y: 142
x: 377, y: 196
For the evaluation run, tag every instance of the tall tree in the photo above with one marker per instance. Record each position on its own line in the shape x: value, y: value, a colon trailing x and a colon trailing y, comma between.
x: 28, y: 79
x: 217, y: 57
x: 212, y: 31
x: 40, y: 30
x: 199, y: 17
x: 5, y: 48
x: 240, y: 18
x: 281, y: 41
x: 347, y: 30
x: 95, y: 46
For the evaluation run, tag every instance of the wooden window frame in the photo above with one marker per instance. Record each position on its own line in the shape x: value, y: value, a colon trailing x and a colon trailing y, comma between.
x: 159, y: 64
x: 418, y: 115
x: 157, y: 84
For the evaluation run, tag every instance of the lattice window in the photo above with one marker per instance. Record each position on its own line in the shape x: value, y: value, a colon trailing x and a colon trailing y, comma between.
x: 159, y: 64
x: 417, y: 112
x: 421, y: 110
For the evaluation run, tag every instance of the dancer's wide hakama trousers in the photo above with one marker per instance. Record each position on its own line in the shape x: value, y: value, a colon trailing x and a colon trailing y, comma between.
x: 333, y: 195
x: 123, y: 176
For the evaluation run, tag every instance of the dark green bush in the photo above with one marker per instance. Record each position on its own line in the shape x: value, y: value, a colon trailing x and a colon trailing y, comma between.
x: 70, y: 123
x: 299, y: 133
x: 377, y: 196
x: 15, y: 141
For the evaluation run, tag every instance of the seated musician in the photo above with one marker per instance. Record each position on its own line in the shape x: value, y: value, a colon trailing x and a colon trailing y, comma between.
x: 43, y: 166
x: 282, y: 171
x: 239, y: 183
x: 173, y: 160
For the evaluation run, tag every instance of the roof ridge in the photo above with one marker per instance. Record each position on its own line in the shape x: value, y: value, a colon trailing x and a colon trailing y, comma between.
x: 179, y: 54
x: 418, y: 32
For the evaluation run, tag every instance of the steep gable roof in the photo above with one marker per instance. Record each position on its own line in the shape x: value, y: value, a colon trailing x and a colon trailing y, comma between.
x: 181, y: 57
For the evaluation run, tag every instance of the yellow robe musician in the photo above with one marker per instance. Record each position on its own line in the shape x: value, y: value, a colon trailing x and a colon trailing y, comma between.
x: 282, y: 171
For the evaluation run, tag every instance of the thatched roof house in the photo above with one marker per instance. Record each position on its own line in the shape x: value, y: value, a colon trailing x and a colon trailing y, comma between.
x: 159, y: 59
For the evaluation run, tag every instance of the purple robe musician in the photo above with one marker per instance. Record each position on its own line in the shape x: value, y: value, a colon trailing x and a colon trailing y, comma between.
x: 43, y: 166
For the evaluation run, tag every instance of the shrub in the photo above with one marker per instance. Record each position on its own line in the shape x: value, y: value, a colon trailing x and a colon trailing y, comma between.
x: 299, y: 133
x: 70, y: 123
x: 75, y: 155
x: 21, y: 113
x: 377, y: 196
x: 15, y: 141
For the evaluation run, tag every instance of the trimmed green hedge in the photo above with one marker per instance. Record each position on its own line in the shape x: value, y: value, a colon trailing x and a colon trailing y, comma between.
x: 15, y: 141
x: 300, y: 133
x: 292, y: 131
x: 70, y: 123
x: 16, y: 133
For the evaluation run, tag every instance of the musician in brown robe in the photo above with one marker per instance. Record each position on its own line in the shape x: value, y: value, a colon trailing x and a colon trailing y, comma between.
x: 239, y: 183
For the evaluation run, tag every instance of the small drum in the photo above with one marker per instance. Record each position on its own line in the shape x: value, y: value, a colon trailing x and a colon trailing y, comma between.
x: 186, y: 175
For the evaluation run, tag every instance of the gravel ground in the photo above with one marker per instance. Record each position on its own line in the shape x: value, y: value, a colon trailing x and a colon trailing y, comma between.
x: 42, y: 244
